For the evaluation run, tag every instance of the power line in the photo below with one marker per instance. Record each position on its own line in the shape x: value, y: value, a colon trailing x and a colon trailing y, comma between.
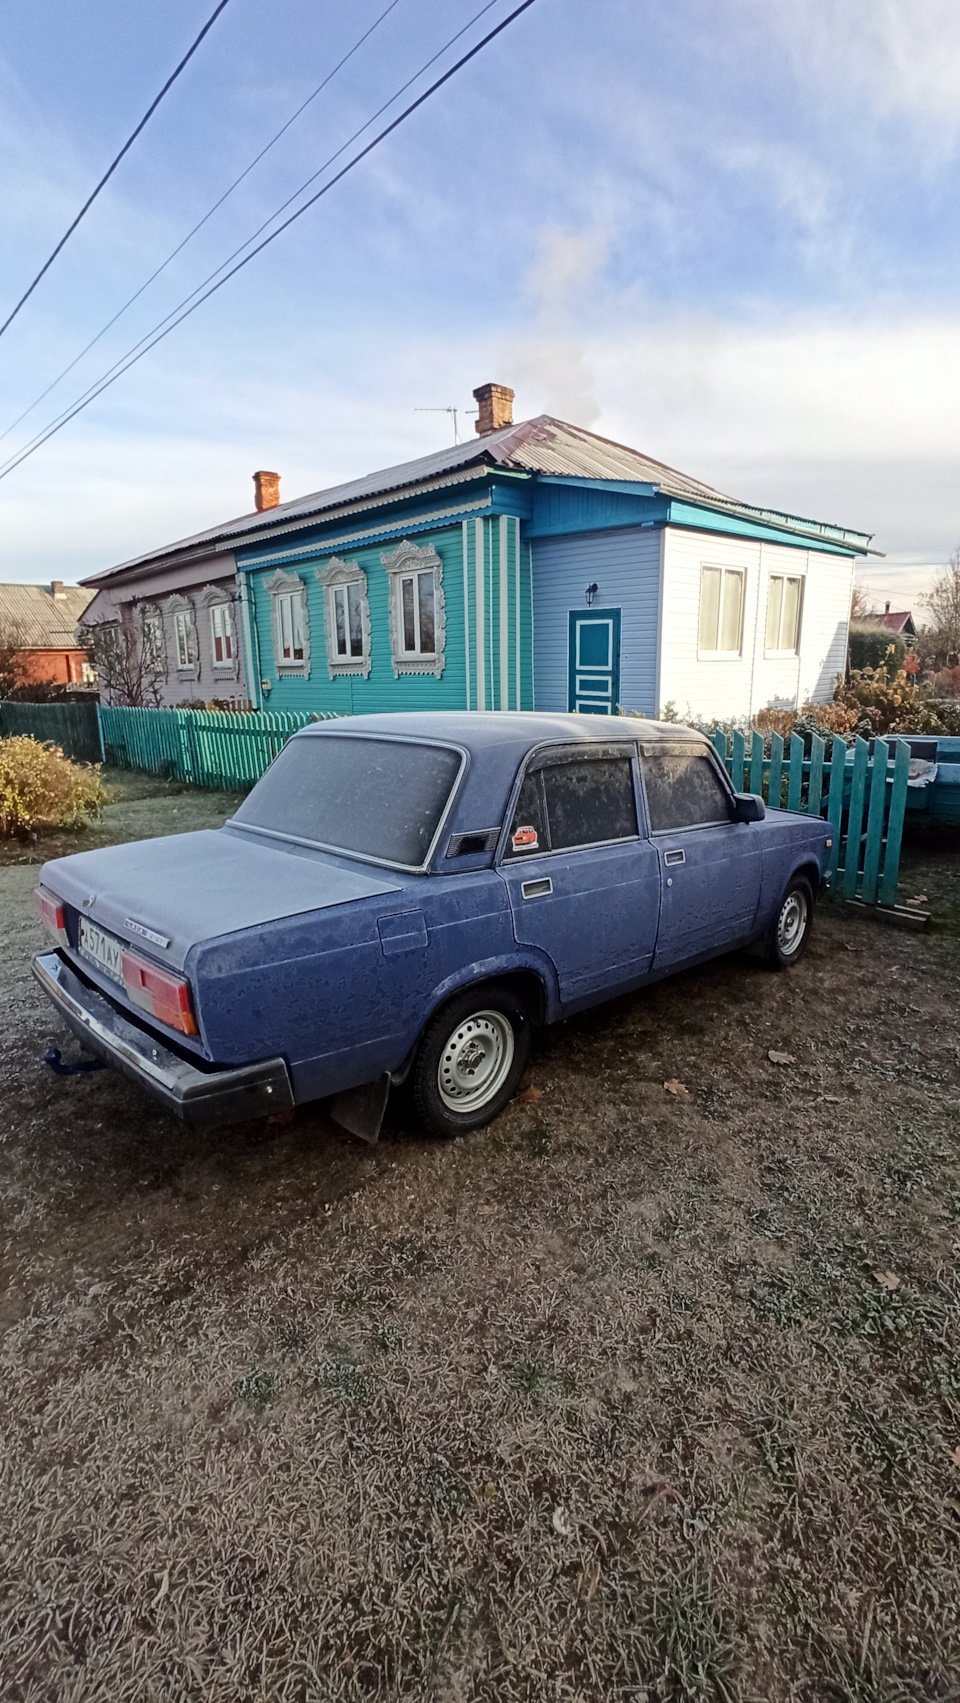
x: 150, y: 337
x: 200, y: 222
x: 178, y: 315
x: 128, y: 144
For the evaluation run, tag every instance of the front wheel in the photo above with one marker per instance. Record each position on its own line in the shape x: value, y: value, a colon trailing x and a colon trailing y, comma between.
x: 790, y: 934
x: 469, y: 1061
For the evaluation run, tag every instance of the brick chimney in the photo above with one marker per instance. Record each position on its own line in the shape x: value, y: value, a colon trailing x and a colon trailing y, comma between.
x: 267, y: 490
x: 495, y: 405
x: 886, y: 609
x: 56, y: 588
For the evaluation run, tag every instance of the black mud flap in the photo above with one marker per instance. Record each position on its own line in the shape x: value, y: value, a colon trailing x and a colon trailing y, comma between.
x: 360, y: 1110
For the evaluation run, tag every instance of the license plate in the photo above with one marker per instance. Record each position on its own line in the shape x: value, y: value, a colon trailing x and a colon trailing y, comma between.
x: 102, y: 949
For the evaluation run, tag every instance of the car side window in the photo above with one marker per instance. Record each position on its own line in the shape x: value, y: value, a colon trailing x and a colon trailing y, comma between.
x: 577, y: 802
x: 683, y: 791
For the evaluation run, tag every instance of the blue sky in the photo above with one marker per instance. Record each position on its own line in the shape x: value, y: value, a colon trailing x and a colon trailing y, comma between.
x: 726, y: 234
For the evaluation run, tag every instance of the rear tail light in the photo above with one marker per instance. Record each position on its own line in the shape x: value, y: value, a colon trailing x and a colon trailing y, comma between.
x: 165, y: 997
x: 51, y: 914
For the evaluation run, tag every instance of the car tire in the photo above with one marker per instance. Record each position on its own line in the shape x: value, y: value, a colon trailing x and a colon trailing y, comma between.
x: 790, y: 934
x: 470, y: 1058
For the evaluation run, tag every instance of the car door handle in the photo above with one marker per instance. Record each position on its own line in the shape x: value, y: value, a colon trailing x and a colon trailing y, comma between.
x: 674, y: 857
x: 536, y: 889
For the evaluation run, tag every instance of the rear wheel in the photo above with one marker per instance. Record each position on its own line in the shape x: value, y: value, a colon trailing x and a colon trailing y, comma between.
x: 790, y: 934
x: 470, y: 1059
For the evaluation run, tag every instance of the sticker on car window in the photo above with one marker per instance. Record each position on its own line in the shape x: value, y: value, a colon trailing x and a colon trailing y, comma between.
x: 524, y: 839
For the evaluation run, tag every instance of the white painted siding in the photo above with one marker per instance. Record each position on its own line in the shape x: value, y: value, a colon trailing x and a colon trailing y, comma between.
x: 823, y: 639
x: 738, y: 686
x: 625, y: 563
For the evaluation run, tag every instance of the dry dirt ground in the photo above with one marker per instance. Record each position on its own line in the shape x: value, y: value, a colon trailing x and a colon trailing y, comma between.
x: 631, y: 1396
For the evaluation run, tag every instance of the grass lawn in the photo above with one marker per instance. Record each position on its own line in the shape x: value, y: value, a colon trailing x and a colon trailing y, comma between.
x: 636, y: 1395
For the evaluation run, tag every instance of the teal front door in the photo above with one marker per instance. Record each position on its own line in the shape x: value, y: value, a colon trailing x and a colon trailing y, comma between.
x: 594, y: 661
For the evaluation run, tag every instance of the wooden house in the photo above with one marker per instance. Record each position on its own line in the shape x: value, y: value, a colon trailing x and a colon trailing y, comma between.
x: 539, y: 566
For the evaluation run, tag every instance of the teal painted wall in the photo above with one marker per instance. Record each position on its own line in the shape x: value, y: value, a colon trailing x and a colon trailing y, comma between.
x: 498, y: 625
x: 381, y: 690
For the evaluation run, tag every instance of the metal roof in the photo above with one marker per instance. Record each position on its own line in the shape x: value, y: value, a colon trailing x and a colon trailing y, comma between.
x: 38, y: 620
x: 541, y: 445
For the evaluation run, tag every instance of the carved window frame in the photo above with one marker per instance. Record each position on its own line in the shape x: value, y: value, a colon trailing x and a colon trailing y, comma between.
x: 210, y: 598
x: 180, y: 605
x: 409, y: 558
x: 281, y: 584
x: 336, y: 575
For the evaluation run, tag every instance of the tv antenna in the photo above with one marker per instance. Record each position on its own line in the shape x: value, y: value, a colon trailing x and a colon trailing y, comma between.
x: 453, y: 412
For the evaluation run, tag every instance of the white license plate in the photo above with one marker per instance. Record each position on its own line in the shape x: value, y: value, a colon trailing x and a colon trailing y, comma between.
x: 104, y: 950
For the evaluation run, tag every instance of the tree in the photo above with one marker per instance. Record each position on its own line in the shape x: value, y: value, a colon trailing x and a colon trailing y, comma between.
x: 12, y: 670
x: 943, y: 602
x: 128, y: 670
x: 859, y: 605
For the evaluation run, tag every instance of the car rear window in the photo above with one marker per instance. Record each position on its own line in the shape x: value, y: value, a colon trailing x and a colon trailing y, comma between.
x: 377, y: 798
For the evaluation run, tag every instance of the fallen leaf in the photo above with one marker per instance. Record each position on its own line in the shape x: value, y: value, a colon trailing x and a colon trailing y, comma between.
x: 677, y: 1089
x: 955, y: 1455
x: 887, y: 1279
x: 164, y: 1588
x: 780, y: 1058
x: 530, y: 1094
x: 561, y: 1521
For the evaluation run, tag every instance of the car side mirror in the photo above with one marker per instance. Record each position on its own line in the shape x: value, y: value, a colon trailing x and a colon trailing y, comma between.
x: 747, y: 807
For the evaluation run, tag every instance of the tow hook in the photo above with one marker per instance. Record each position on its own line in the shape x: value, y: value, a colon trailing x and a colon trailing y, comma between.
x: 54, y: 1058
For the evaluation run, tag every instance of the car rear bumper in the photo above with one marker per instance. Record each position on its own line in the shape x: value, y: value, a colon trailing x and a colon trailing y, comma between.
x: 197, y: 1096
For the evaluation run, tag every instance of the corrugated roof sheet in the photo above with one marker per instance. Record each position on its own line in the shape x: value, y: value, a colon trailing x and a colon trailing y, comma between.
x: 541, y: 445
x: 38, y: 620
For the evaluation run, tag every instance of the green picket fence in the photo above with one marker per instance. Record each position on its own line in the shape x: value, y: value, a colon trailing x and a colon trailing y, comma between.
x: 215, y: 748
x: 73, y: 727
x: 862, y: 796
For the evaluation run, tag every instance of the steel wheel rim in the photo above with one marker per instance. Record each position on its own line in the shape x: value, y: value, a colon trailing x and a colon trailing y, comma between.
x: 475, y: 1061
x: 792, y: 923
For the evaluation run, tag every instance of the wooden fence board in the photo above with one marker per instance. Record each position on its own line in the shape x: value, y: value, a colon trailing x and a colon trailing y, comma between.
x: 887, y: 894
x: 876, y: 811
x: 858, y: 792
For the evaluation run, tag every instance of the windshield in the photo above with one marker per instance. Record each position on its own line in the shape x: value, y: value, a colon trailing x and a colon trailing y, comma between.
x: 378, y: 798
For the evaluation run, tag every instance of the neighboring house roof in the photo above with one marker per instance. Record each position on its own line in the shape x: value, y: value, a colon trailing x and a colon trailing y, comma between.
x: 42, y: 617
x: 542, y: 445
x: 898, y: 621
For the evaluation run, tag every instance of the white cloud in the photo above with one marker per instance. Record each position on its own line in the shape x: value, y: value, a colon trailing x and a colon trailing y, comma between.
x: 902, y: 56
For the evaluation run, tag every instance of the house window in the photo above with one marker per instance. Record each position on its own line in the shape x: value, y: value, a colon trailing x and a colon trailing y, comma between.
x: 291, y: 624
x: 721, y: 611
x: 348, y: 632
x: 347, y: 617
x: 153, y: 647
x: 417, y: 615
x: 418, y: 603
x: 784, y: 603
x: 222, y: 635
x: 181, y: 622
x: 182, y: 629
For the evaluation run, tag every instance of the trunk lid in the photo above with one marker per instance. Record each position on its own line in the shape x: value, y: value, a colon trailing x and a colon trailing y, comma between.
x: 167, y: 895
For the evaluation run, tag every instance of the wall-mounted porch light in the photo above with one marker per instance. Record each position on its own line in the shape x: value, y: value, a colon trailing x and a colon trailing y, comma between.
x: 591, y: 593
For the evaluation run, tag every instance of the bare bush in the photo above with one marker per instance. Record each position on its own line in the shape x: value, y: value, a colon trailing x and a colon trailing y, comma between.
x: 128, y: 668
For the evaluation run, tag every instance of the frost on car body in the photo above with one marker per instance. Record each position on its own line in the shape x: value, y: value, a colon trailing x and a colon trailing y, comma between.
x: 410, y: 893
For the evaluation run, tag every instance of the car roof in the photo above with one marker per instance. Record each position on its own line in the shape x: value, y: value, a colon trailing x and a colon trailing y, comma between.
x: 485, y: 730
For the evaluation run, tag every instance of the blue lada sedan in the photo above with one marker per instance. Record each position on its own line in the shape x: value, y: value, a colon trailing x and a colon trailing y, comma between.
x: 406, y: 896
